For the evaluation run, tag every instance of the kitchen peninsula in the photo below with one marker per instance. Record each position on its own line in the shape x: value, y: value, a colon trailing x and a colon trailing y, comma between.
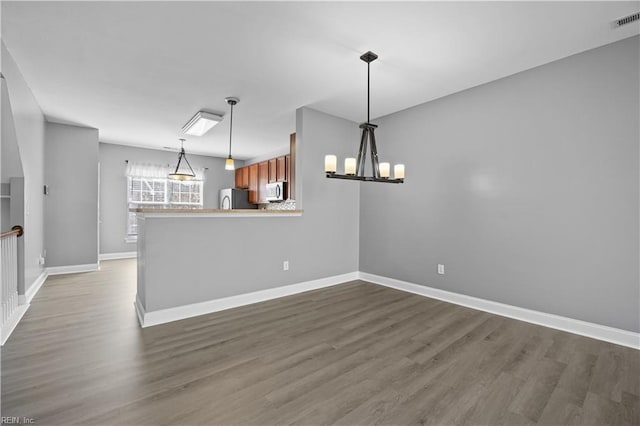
x: 189, y: 256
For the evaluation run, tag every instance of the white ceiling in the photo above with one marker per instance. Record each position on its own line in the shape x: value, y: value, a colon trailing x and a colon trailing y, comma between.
x: 138, y: 71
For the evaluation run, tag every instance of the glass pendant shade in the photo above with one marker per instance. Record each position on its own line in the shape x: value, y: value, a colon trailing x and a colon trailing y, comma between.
x: 180, y: 176
x: 229, y: 164
x: 330, y: 163
x: 350, y: 166
x: 398, y: 171
x: 384, y: 170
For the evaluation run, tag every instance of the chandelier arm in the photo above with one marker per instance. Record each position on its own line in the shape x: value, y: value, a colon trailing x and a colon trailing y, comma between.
x: 375, y: 165
x: 179, y: 160
x: 190, y: 168
x: 361, y: 155
x: 364, y: 152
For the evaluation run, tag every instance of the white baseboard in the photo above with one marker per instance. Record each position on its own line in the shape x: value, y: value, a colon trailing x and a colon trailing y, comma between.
x: 34, y: 288
x: 583, y: 328
x: 11, y: 324
x: 24, y: 301
x: 139, y: 311
x: 121, y: 255
x: 72, y: 269
x: 162, y: 316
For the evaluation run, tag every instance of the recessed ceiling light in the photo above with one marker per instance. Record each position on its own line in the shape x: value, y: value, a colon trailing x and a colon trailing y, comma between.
x: 201, y: 123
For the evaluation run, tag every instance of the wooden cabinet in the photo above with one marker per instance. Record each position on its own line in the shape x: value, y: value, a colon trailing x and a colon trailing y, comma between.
x: 281, y: 169
x: 254, y: 196
x: 255, y: 177
x: 263, y: 179
x: 287, y: 166
x: 242, y: 177
x: 273, y: 173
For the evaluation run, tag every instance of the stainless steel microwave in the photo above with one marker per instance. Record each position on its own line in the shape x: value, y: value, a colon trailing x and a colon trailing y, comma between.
x: 276, y: 191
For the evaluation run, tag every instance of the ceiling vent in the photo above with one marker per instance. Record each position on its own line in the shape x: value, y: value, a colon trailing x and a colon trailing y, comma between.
x: 626, y: 20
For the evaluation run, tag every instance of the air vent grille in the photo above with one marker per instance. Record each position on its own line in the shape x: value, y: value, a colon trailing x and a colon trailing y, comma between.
x: 627, y: 19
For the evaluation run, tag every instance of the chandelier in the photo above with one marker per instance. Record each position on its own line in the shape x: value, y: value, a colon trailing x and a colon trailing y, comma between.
x: 354, y: 168
x: 184, y: 173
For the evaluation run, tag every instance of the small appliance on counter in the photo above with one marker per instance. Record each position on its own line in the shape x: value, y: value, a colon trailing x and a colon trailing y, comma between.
x: 232, y: 198
x: 276, y: 191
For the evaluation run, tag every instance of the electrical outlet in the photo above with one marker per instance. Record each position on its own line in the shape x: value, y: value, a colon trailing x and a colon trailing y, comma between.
x: 440, y: 269
x: 41, y: 260
x: 285, y: 265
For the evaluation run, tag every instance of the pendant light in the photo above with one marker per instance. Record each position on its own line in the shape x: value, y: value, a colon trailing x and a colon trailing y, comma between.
x: 229, y: 164
x: 182, y: 174
x: 354, y: 169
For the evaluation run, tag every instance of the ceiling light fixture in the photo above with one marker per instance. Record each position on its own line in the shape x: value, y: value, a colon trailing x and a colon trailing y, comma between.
x: 228, y: 164
x: 182, y: 174
x: 354, y: 169
x: 201, y: 123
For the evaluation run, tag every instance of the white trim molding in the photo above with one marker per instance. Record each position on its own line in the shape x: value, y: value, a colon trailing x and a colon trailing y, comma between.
x: 12, y: 322
x: 24, y: 301
x: 148, y: 319
x: 73, y: 269
x: 139, y: 311
x: 35, y: 287
x: 583, y: 328
x: 121, y: 255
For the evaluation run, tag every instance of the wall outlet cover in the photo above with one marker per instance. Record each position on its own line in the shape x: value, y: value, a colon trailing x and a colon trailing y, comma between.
x: 440, y: 269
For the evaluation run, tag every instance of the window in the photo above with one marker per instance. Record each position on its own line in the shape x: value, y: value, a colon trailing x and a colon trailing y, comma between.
x: 186, y: 193
x: 150, y: 189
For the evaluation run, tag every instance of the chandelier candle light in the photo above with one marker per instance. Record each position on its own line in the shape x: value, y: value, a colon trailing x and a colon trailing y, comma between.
x: 229, y: 164
x: 184, y: 174
x: 354, y: 169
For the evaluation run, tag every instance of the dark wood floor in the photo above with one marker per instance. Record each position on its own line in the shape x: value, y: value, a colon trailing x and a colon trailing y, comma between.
x: 356, y: 353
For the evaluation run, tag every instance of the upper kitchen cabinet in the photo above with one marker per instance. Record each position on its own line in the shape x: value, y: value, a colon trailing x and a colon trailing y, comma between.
x: 256, y: 176
x: 281, y: 169
x: 242, y: 177
x: 273, y: 172
x: 263, y: 179
x: 254, y: 197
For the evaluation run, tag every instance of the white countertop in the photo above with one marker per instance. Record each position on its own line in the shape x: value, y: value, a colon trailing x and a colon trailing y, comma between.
x: 188, y: 213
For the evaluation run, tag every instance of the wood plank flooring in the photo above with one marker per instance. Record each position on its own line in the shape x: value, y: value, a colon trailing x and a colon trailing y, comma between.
x: 353, y: 354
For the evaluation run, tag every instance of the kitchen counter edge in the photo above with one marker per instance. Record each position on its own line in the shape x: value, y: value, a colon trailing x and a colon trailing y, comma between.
x: 169, y: 213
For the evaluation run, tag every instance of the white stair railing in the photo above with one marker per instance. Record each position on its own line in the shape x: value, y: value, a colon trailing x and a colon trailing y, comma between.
x: 9, y: 275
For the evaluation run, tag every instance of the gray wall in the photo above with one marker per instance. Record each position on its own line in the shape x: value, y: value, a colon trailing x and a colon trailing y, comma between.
x: 526, y: 188
x: 29, y: 126
x: 231, y: 256
x: 113, y: 187
x: 71, y: 208
x: 16, y: 217
x: 4, y: 214
x: 11, y: 162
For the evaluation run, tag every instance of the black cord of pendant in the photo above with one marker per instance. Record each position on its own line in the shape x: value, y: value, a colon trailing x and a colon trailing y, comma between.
x: 230, y: 129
